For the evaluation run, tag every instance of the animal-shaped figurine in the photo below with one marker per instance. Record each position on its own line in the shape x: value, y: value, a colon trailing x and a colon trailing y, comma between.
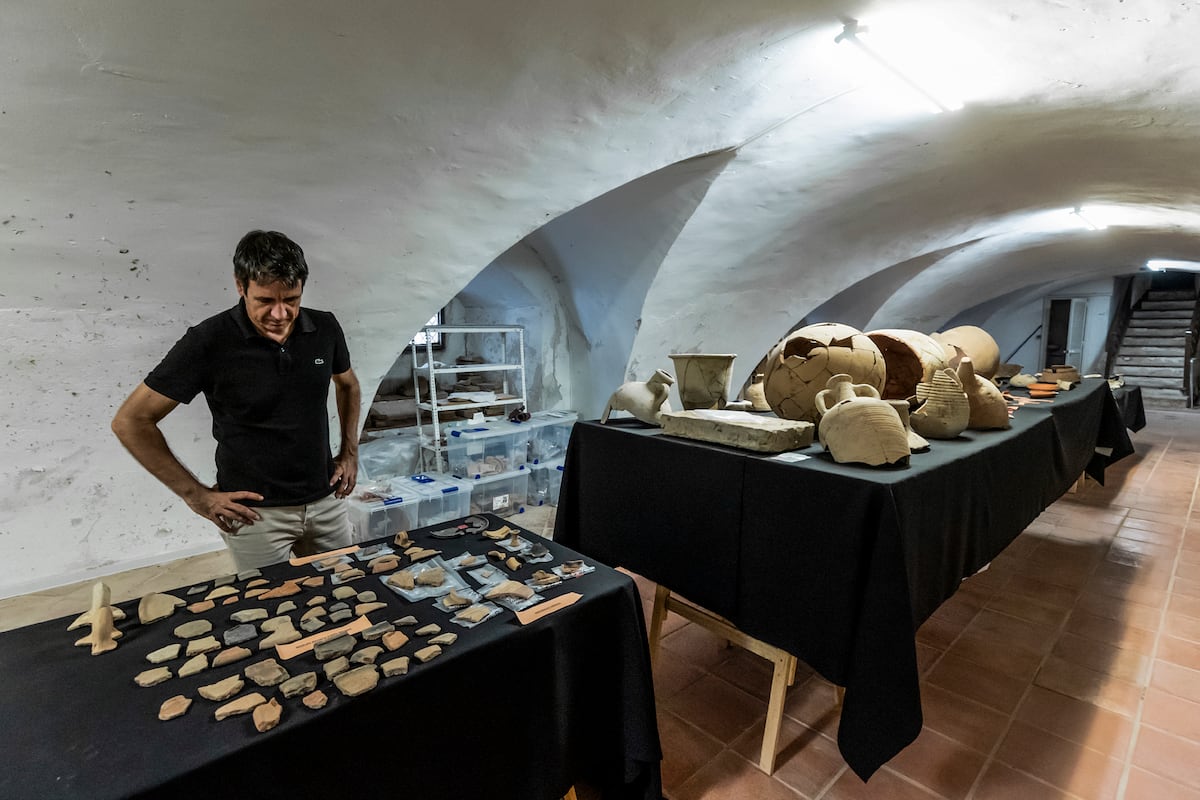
x: 646, y: 401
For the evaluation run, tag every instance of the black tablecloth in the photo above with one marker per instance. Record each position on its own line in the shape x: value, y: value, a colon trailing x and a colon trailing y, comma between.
x: 837, y: 564
x: 507, y: 711
x: 1129, y: 401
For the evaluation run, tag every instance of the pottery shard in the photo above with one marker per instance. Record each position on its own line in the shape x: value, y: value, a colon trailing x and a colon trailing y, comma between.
x: 219, y: 592
x: 318, y: 611
x: 319, y: 600
x: 152, y: 677
x: 193, y: 665
x: 176, y: 706
x: 444, y: 639
x: 362, y: 609
x: 205, y: 645
x: 341, y: 615
x: 315, y: 700
x: 405, y: 622
x: 299, y: 684
x: 342, y: 566
x: 267, y: 672
x: 333, y: 647
x: 544, y: 578
x: 336, y: 667
x: 367, y: 655
x: 420, y: 553
x: 285, y: 607
x: 276, y: 623
x: 432, y: 577
x: 281, y: 636
x: 257, y: 582
x: 473, y: 614
x: 402, y: 539
x: 222, y: 690
x: 190, y: 630
x: 288, y: 589
x: 394, y: 640
x: 202, y: 606
x: 230, y: 655
x: 330, y: 562
x: 427, y: 654
x: 244, y: 704
x: 155, y: 606
x: 313, y: 582
x: 312, y: 624
x: 164, y: 653
x: 344, y: 592
x: 377, y: 630
x: 512, y: 563
x: 246, y: 575
x: 429, y: 630
x: 267, y: 715
x: 402, y: 580
x: 367, y: 597
x: 255, y: 592
x: 225, y: 580
x: 249, y: 615
x: 357, y: 681
x: 509, y: 589
x: 455, y: 600
x: 197, y: 589
x: 498, y: 533
x: 383, y: 564
x: 239, y: 633
x: 350, y: 575
x: 228, y: 601
x: 397, y: 666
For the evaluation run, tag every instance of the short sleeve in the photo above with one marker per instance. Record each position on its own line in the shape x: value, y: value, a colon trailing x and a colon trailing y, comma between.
x: 341, y: 353
x: 180, y: 375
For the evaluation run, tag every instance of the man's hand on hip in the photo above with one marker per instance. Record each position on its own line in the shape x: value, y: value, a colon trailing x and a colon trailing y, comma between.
x: 224, y: 510
x: 345, y: 475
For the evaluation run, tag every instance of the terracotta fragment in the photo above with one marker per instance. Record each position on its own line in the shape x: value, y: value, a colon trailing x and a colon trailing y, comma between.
x: 341, y: 566
x: 344, y: 592
x: 228, y: 601
x: 473, y: 614
x: 314, y: 582
x: 315, y: 700
x: 350, y: 575
x: 383, y: 564
x: 219, y: 592
x: 174, y: 707
x: 432, y: 577
x: 406, y: 621
x: 198, y: 589
x: 156, y: 606
x: 288, y: 589
x: 572, y: 566
x: 363, y: 609
x: 377, y: 631
x: 204, y: 644
x: 444, y: 639
x: 496, y: 555
x: 427, y: 654
x: 429, y: 630
x: 341, y: 615
x: 312, y: 624
x: 267, y: 672
x: 230, y: 655
x: 319, y: 600
x: 281, y: 636
x: 333, y: 647
x: 367, y: 655
x: 267, y: 715
x: 152, y: 677
x: 222, y: 690
x: 252, y: 593
x: 402, y: 539
x: 257, y: 582
x: 193, y: 665
x: 357, y: 681
x: 420, y: 553
x: 367, y: 597
x: 397, y: 666
x: 164, y: 653
x: 299, y: 684
x: 243, y: 705
x: 249, y: 615
x: 512, y: 563
x: 499, y: 533
x: 101, y: 598
x: 336, y: 667
x: 246, y: 575
x: 455, y: 600
x: 544, y: 578
x: 857, y: 426
x: 314, y: 612
x: 394, y: 640
x: 402, y: 580
x: 190, y: 630
x: 224, y: 580
x: 468, y: 560
x: 201, y: 607
x: 509, y: 589
x: 276, y: 623
x: 285, y: 607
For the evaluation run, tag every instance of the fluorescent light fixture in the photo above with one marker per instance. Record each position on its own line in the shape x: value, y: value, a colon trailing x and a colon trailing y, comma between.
x: 1086, y: 219
x: 1164, y: 264
x: 909, y: 56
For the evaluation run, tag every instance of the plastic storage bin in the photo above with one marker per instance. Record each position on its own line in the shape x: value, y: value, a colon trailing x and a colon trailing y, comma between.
x: 442, y: 498
x: 504, y: 494
x: 545, y: 482
x: 485, y: 450
x: 549, y: 432
x: 374, y: 520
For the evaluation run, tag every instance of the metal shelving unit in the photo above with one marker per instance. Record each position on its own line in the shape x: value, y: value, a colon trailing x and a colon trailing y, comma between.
x: 433, y: 451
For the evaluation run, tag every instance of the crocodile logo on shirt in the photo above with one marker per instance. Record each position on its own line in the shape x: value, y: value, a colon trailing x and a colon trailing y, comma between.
x: 318, y: 361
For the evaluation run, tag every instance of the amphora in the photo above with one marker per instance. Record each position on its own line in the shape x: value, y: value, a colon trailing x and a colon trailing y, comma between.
x: 944, y: 410
x: 857, y: 426
x: 989, y: 410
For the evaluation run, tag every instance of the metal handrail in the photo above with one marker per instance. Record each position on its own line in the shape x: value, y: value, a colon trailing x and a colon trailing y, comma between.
x: 1017, y: 349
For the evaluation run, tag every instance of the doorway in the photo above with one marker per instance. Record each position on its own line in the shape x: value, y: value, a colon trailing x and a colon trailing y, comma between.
x: 1066, y: 331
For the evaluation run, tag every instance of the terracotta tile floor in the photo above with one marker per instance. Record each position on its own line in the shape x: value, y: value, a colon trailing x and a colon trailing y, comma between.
x: 1069, y: 669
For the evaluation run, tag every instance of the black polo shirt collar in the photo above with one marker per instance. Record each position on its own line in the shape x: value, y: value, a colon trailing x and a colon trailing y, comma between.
x: 304, y: 321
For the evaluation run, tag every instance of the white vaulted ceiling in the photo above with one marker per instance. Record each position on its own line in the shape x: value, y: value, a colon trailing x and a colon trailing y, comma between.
x: 406, y: 145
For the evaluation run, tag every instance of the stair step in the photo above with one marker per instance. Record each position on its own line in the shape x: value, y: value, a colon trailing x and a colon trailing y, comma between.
x: 1177, y: 295
x: 1156, y: 356
x: 1159, y: 322
x: 1167, y: 305
x: 1143, y: 370
x: 1153, y: 383
x: 1155, y: 333
x: 1155, y: 313
x: 1162, y: 402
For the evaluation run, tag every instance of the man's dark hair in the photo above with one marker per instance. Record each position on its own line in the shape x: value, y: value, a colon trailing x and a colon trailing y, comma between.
x: 266, y: 257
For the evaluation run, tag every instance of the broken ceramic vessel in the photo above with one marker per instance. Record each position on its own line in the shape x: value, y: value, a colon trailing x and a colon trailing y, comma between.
x: 973, y: 342
x: 857, y: 426
x: 801, y: 364
x: 645, y: 401
x: 703, y: 379
x: 944, y: 410
x: 908, y: 356
x: 989, y: 410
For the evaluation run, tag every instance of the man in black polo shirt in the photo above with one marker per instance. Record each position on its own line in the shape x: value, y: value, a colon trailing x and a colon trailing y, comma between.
x: 264, y: 367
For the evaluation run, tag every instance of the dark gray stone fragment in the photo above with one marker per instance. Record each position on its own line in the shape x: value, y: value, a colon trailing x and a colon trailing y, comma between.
x: 239, y: 633
x: 341, y: 615
x: 332, y: 648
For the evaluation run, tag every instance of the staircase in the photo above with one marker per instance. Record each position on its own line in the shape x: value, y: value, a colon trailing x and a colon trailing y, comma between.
x: 1152, y: 353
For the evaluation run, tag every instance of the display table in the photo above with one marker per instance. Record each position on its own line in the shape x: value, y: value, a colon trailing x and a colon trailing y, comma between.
x: 507, y: 711
x: 836, y: 564
x: 1133, y: 410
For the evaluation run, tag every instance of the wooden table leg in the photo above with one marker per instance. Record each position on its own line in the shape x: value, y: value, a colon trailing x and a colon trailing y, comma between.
x: 785, y: 667
x: 661, y: 596
x: 570, y: 795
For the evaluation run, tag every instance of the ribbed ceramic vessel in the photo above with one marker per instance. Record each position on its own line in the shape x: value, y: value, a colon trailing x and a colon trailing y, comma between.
x: 857, y: 427
x: 944, y: 411
x: 802, y: 363
x: 916, y: 442
x: 908, y: 357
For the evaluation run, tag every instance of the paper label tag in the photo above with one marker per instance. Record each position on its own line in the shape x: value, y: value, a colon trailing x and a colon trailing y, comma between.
x: 300, y: 646
x: 499, y: 502
x: 549, y: 607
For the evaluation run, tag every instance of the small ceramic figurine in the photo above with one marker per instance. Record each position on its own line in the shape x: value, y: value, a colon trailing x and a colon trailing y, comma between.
x: 646, y: 401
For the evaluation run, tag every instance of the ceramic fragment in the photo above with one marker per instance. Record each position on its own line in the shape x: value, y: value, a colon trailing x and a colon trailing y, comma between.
x: 367, y: 553
x: 219, y: 592
x: 152, y: 677
x: 204, y: 644
x: 509, y: 588
x: 246, y: 575
x: 420, y: 553
x: 357, y: 681
x: 397, y: 666
x: 329, y: 562
x: 857, y: 427
x: 573, y: 565
x: 174, y: 707
x: 512, y: 563
x: 267, y: 715
x: 230, y: 655
x: 402, y: 539
x: 228, y: 601
x: 314, y: 582
x: 544, y: 578
x: 487, y: 572
x: 281, y: 636
x: 448, y: 533
x: 101, y: 598
x: 444, y: 639
x: 336, y: 667
x: 427, y: 654
x: 468, y: 560
x: 315, y: 700
x: 164, y: 653
x: 224, y: 580
x: 362, y: 609
x: 383, y: 564
x: 313, y: 612
x: 222, y: 690
x: 394, y: 640
x: 474, y: 614
x: 341, y: 615
x: 203, y: 587
x: 367, y: 597
x: 312, y: 624
x: 193, y: 665
x: 238, y: 634
x: 377, y: 630
x: 402, y: 580
x: 455, y: 600
x: 243, y: 705
x: 299, y: 684
x: 496, y: 555
x: 432, y: 577
x: 288, y: 589
x: 475, y: 524
x: 428, y: 630
x: 276, y: 623
x: 267, y: 672
x: 344, y: 592
x: 538, y: 550
x: 156, y: 606
x: 499, y: 533
x: 338, y: 607
x: 285, y: 607
x: 257, y: 582
x: 338, y: 645
x: 249, y: 615
x: 351, y: 575
x: 252, y: 593
x: 367, y: 655
x: 319, y: 600
x: 202, y: 606
x: 190, y: 630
